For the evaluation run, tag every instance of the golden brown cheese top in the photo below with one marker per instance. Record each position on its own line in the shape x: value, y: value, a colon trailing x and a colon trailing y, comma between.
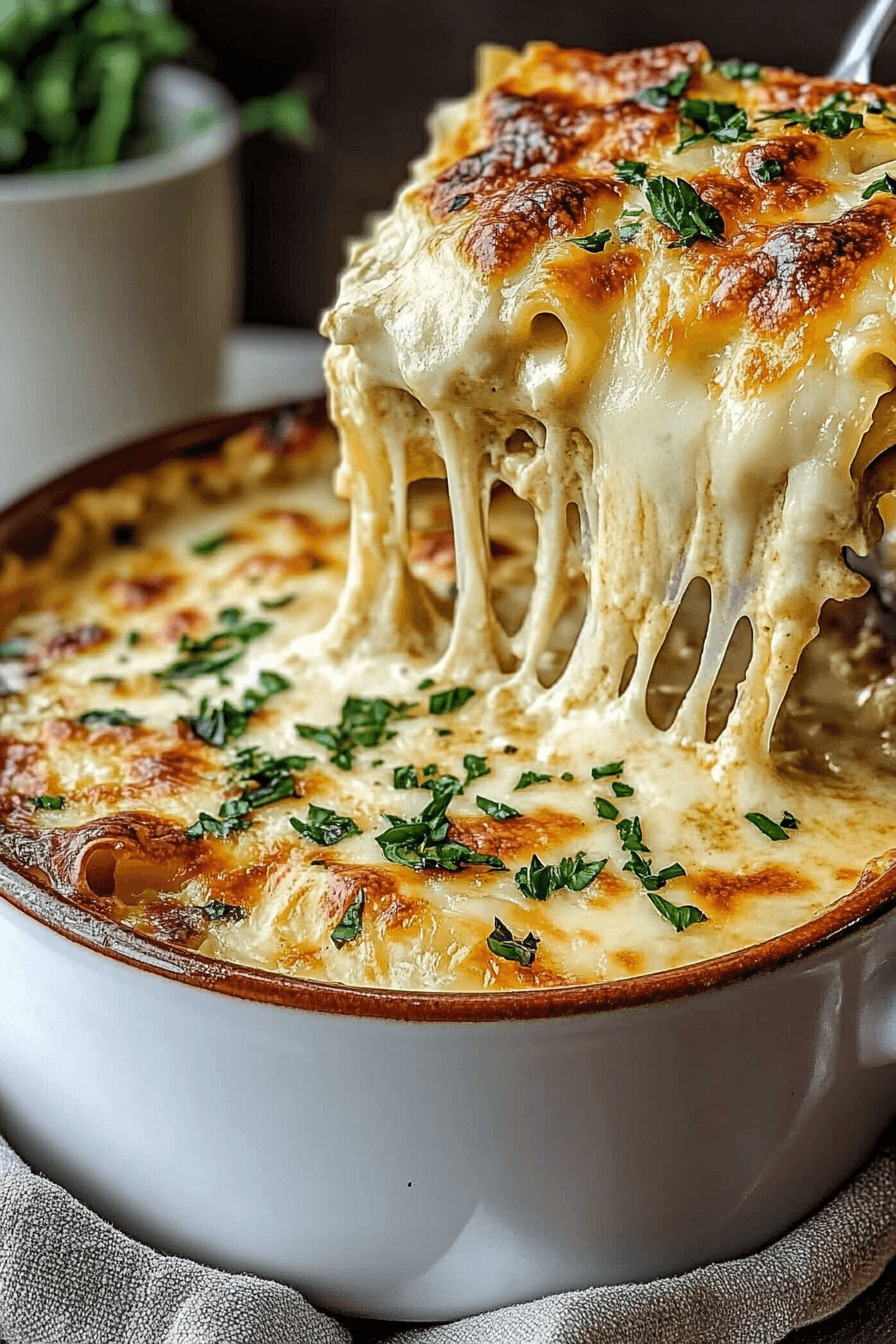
x: 537, y: 159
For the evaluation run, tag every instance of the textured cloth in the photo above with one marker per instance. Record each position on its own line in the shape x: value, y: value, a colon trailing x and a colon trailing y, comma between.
x: 67, y: 1277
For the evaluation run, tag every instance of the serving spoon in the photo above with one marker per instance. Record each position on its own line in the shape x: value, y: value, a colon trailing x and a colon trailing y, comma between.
x: 862, y: 41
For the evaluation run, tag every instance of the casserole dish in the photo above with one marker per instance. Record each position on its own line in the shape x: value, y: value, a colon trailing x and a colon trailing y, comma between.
x: 424, y: 1156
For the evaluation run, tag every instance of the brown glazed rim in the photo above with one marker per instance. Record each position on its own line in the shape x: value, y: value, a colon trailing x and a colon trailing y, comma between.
x: 29, y: 517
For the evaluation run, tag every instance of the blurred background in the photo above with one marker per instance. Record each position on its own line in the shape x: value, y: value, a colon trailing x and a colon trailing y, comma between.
x: 376, y: 68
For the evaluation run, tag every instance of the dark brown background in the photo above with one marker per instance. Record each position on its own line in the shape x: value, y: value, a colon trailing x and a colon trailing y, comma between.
x: 378, y: 66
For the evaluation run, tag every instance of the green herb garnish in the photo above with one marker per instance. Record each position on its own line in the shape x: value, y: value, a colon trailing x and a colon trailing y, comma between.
x: 708, y: 119
x: 593, y: 242
x: 363, y: 723
x: 212, y: 656
x: 678, y: 206
x: 324, y: 826
x: 425, y: 684
x: 500, y: 811
x: 115, y: 718
x: 681, y: 917
x: 530, y: 777
x: 475, y: 767
x: 14, y: 648
x: 208, y: 545
x: 220, y: 827
x: 220, y: 910
x: 445, y: 702
x: 767, y: 826
x: 663, y: 94
x: 789, y: 822
x: 458, y: 202
x: 831, y: 119
x: 737, y: 69
x: 349, y: 926
x: 567, y: 777
x: 405, y: 777
x: 629, y: 225
x: 220, y: 725
x: 502, y: 942
x: 630, y: 836
x: 49, y: 802
x: 605, y: 771
x: 769, y: 170
x: 132, y: 638
x: 885, y: 184
x: 605, y: 809
x: 541, y: 880
x: 272, y: 603
x: 621, y: 790
x: 631, y: 171
x: 422, y: 841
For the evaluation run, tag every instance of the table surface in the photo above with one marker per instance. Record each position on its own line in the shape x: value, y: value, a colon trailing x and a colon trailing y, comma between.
x: 263, y: 365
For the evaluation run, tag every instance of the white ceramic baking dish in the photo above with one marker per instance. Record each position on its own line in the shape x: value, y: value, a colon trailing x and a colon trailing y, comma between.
x: 429, y: 1156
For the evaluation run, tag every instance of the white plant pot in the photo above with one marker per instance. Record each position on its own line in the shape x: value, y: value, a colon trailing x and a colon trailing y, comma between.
x: 116, y: 290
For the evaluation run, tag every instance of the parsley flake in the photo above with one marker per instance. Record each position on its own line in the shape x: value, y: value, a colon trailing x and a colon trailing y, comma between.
x: 606, y: 809
x: 772, y: 829
x: 272, y: 603
x: 737, y: 69
x: 769, y: 170
x: 632, y: 840
x: 49, y: 802
x: 500, y: 811
x: 208, y: 545
x: 475, y: 767
x: 662, y: 95
x: 405, y: 777
x: 362, y: 723
x: 212, y: 656
x: 630, y: 225
x: 530, y: 777
x: 422, y: 841
x: 631, y: 171
x: 621, y: 790
x: 502, y: 942
x: 708, y: 119
x: 789, y: 822
x: 218, y: 726
x: 885, y: 184
x: 349, y: 926
x: 605, y: 771
x: 445, y: 702
x: 220, y: 827
x: 832, y: 119
x: 221, y: 910
x: 541, y: 880
x: 678, y: 206
x: 324, y: 826
x: 114, y: 718
x: 459, y: 202
x: 593, y: 242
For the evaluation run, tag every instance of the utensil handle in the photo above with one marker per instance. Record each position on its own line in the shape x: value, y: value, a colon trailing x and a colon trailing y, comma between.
x: 862, y: 40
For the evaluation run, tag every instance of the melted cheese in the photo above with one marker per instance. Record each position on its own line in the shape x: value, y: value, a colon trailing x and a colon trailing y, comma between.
x: 607, y: 491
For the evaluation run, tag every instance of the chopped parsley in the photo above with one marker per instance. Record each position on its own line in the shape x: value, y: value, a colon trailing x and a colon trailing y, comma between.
x: 362, y: 723
x: 630, y: 836
x: 677, y: 205
x: 541, y: 880
x: 212, y: 656
x: 593, y: 242
x: 132, y: 638
x: 832, y: 119
x: 737, y: 69
x: 885, y: 184
x: 621, y: 790
x: 769, y: 170
x: 631, y: 171
x: 679, y: 916
x: 422, y: 841
x: 567, y: 777
x: 708, y: 119
x: 459, y: 202
x: 272, y: 603
x: 530, y: 777
x: 349, y: 926
x: 405, y: 777
x: 662, y: 95
x: 49, y: 802
x: 114, y: 718
x: 14, y: 648
x: 220, y: 910
x: 272, y: 776
x: 220, y: 827
x: 475, y: 767
x: 445, y: 702
x: 208, y: 545
x: 629, y: 225
x: 502, y: 942
x: 425, y: 684
x: 606, y: 809
x: 772, y: 829
x: 324, y: 826
x: 510, y: 750
x: 605, y: 771
x: 500, y: 811
x: 219, y: 725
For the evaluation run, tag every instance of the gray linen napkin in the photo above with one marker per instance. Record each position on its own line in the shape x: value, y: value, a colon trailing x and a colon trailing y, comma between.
x: 67, y: 1277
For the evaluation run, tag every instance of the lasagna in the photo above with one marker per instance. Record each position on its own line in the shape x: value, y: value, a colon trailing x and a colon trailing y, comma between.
x: 563, y: 676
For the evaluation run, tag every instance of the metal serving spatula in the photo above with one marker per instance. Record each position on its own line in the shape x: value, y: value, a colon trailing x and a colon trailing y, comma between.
x: 863, y: 40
